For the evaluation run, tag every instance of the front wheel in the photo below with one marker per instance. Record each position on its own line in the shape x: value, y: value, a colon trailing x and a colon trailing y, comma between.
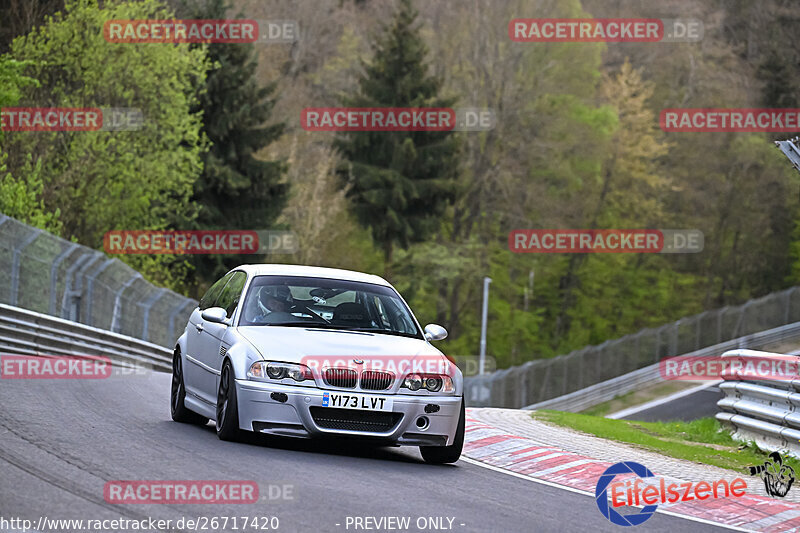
x: 178, y: 394
x: 227, y: 406
x: 439, y: 455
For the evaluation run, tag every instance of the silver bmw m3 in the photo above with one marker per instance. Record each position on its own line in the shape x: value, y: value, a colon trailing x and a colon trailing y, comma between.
x: 303, y: 351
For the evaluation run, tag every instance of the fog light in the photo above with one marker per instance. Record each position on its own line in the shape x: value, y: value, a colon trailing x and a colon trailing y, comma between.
x: 279, y: 397
x: 423, y: 422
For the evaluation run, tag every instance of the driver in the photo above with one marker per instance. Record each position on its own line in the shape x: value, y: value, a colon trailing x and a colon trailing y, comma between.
x: 272, y: 299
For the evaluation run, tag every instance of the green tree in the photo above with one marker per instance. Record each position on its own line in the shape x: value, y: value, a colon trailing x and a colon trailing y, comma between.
x: 237, y: 189
x: 21, y: 197
x: 107, y: 180
x: 400, y: 183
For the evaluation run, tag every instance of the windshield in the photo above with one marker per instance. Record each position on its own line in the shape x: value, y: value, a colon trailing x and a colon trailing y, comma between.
x: 326, y: 303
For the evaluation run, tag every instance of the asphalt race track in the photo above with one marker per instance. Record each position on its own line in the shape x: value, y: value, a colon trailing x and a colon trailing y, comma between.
x: 700, y: 404
x: 62, y: 440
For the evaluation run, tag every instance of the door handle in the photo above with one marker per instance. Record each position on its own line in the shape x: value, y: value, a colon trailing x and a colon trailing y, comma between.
x: 199, y: 327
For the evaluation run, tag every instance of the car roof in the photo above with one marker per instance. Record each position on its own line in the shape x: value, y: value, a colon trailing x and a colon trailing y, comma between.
x: 311, y: 272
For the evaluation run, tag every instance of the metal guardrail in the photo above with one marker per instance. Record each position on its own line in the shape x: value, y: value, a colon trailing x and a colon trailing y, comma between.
x: 27, y: 332
x: 47, y: 274
x: 544, y: 379
x: 649, y: 375
x: 791, y: 151
x: 766, y: 412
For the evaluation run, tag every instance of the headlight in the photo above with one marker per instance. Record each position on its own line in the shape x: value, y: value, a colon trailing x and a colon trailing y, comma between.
x: 431, y: 383
x: 413, y: 382
x: 264, y: 370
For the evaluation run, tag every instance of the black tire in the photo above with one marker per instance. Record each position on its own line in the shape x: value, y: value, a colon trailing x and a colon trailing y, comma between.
x: 439, y: 455
x: 227, y: 406
x: 179, y: 411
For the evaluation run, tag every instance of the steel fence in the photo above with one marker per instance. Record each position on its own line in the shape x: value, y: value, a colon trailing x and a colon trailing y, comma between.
x: 760, y: 409
x: 26, y: 332
x: 50, y: 275
x: 543, y: 379
x: 651, y: 375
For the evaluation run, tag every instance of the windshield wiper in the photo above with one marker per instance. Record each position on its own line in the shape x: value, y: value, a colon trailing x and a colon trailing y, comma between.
x: 323, y: 325
x: 310, y: 323
x: 387, y: 332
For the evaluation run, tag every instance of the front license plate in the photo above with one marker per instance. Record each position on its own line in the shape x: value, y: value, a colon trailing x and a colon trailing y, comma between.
x: 364, y: 402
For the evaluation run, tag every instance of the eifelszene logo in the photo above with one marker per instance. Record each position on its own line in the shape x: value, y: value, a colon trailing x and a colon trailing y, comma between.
x: 601, y: 496
x: 777, y: 477
x: 648, y: 491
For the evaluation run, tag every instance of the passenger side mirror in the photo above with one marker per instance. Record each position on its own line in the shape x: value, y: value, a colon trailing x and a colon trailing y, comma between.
x: 216, y: 315
x: 435, y: 332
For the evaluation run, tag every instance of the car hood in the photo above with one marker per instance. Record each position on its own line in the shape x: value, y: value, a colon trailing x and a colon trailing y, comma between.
x: 292, y: 344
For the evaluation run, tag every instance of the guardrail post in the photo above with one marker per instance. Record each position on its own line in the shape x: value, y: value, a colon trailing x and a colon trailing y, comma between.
x: 115, y: 326
x: 740, y: 321
x: 657, y: 358
x: 147, y: 305
x: 698, y: 329
x: 77, y: 293
x: 54, y: 275
x: 90, y: 288
x: 15, y: 264
x: 674, y: 348
x: 787, y: 312
x: 69, y: 292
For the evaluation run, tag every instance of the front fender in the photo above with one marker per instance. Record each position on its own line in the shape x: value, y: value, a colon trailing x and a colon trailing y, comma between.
x: 180, y: 344
x: 241, y: 356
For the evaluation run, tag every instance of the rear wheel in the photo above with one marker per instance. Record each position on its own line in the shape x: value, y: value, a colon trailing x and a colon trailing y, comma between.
x: 439, y: 455
x: 177, y: 408
x: 227, y: 406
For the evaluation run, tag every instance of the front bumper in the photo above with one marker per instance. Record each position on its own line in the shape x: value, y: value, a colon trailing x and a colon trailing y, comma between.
x: 259, y: 412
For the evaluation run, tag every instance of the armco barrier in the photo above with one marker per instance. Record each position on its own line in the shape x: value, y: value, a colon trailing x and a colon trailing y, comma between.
x: 766, y: 412
x: 515, y: 387
x: 47, y: 274
x: 26, y: 332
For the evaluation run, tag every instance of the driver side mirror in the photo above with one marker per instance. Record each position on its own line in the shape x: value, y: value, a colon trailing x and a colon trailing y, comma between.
x: 435, y: 332
x: 216, y: 315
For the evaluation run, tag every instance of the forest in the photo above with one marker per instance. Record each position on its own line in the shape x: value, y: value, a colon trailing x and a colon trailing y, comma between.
x: 575, y: 144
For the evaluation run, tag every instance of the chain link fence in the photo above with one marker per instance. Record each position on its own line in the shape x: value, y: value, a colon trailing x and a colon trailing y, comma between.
x: 47, y: 274
x: 544, y: 379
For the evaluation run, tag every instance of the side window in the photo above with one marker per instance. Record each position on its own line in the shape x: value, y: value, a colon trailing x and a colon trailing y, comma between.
x: 210, y: 296
x: 229, y: 298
